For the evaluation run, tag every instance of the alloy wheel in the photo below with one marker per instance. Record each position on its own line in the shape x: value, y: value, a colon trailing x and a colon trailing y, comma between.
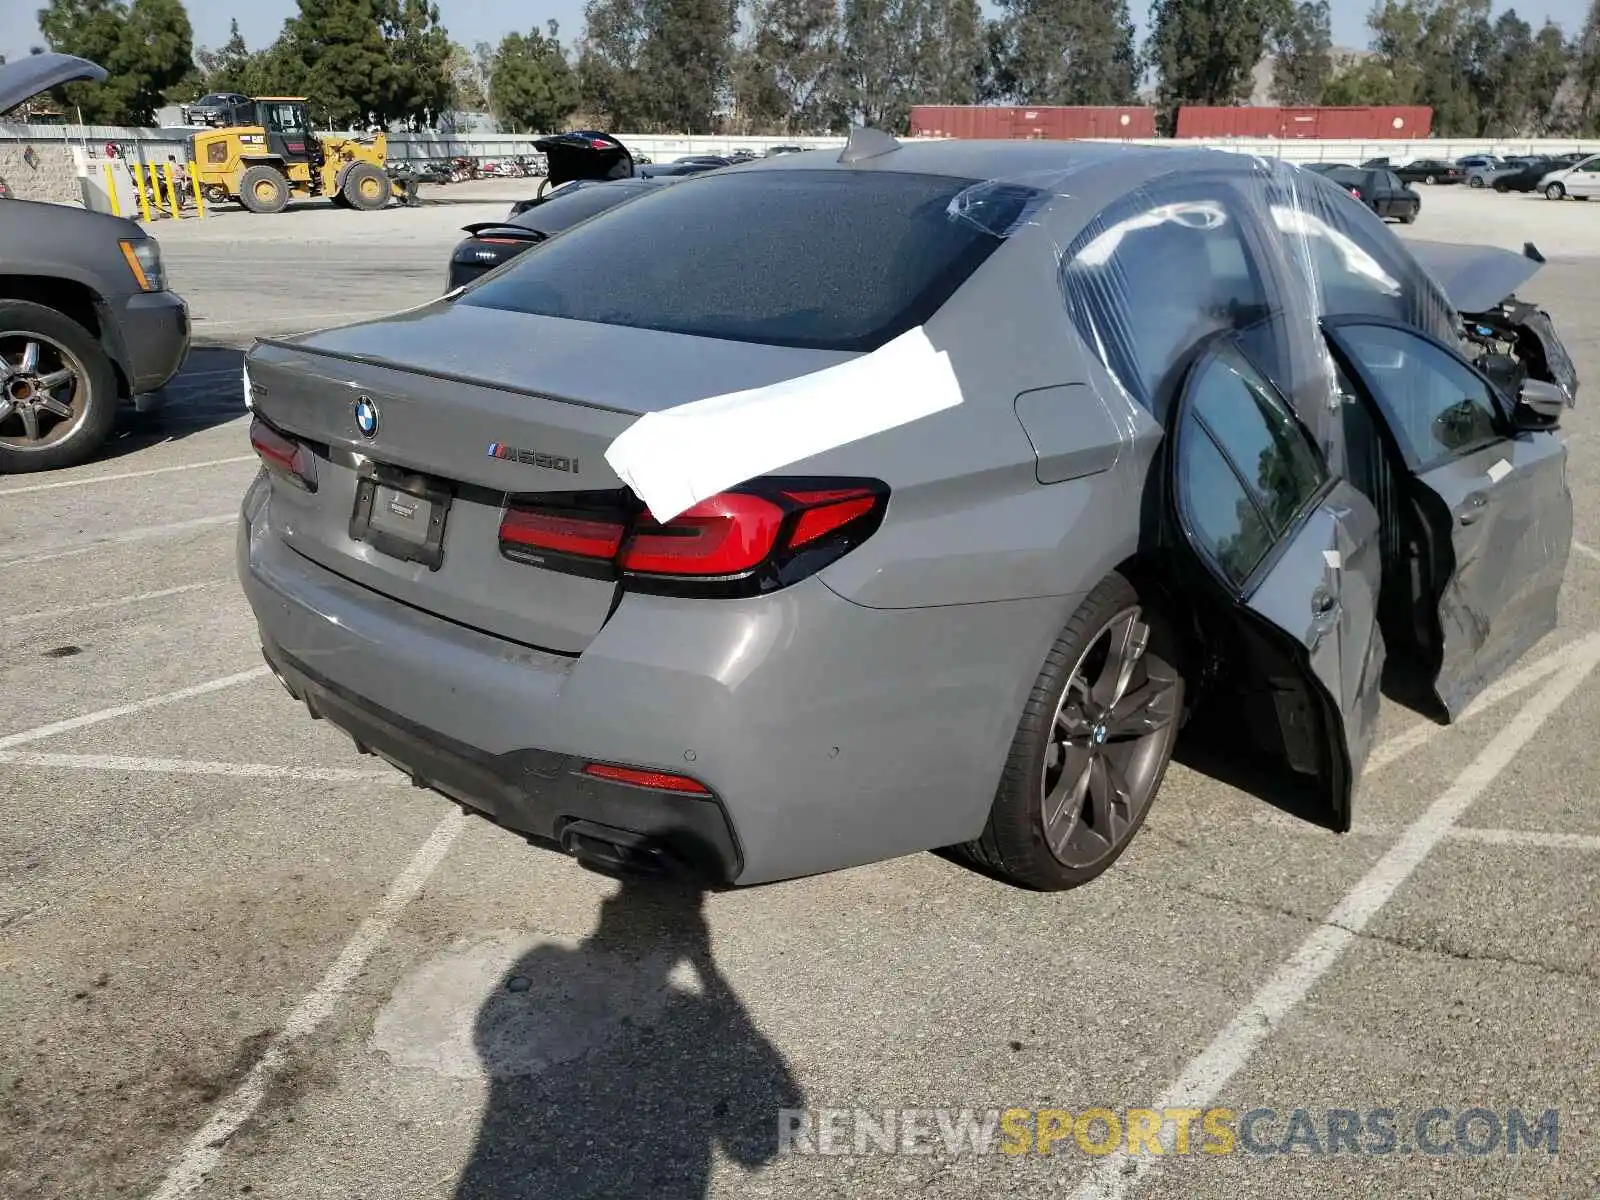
x: 43, y: 395
x: 1112, y: 735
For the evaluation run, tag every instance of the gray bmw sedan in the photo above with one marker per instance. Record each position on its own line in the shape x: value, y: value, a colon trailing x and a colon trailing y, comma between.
x: 834, y: 507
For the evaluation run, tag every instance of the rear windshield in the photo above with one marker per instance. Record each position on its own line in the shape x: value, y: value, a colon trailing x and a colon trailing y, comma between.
x: 1348, y: 177
x: 832, y: 260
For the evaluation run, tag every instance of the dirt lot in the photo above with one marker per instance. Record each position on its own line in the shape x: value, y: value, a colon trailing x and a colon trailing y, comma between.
x: 238, y: 959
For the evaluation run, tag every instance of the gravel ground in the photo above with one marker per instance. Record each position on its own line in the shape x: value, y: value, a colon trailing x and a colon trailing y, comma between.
x: 238, y: 959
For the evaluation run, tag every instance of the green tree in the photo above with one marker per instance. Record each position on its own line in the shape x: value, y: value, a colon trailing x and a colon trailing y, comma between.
x: 1549, y: 66
x: 1067, y: 51
x: 609, y: 62
x: 783, y: 74
x: 350, y: 76
x: 224, y: 70
x: 685, y: 62
x: 1205, y: 51
x: 420, y: 49
x: 469, y: 82
x: 881, y: 56
x: 1369, y: 81
x: 1586, y: 71
x: 146, y: 46
x: 1302, y: 55
x: 531, y: 86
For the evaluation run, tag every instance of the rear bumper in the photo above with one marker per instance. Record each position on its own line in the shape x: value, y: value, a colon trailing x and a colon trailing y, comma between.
x: 829, y: 734
x: 536, y: 792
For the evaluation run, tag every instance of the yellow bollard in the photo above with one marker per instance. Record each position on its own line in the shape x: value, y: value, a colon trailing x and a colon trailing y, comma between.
x: 111, y: 191
x: 172, y: 191
x: 138, y: 183
x: 199, y: 200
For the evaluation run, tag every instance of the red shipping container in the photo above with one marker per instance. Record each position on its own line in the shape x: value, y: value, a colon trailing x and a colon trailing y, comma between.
x: 1345, y: 124
x: 1042, y: 121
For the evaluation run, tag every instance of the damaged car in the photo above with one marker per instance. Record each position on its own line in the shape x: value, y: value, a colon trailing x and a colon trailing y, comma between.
x: 932, y: 533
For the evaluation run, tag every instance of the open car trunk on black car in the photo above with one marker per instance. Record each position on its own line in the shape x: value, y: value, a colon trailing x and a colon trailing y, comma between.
x: 584, y: 155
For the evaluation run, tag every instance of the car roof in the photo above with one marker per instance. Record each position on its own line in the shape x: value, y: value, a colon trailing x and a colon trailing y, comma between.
x: 1093, y: 170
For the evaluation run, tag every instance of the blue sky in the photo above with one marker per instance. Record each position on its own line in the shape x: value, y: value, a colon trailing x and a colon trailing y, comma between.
x: 472, y: 21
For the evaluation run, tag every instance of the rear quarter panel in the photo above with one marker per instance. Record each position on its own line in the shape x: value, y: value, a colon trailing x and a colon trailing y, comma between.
x: 969, y: 522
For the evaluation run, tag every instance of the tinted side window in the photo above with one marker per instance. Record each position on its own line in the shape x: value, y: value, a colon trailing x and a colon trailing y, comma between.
x: 1226, y: 525
x: 1436, y: 405
x: 1151, y: 277
x: 1251, y: 425
x: 1392, y: 181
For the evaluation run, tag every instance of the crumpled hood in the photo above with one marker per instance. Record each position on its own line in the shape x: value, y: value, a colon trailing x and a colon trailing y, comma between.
x: 1476, y: 278
x: 24, y: 79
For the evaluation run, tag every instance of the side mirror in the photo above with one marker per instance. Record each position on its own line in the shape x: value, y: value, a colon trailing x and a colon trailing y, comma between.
x: 1539, y: 405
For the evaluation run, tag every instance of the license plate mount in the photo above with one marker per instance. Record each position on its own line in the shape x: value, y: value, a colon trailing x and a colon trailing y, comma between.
x: 401, y: 514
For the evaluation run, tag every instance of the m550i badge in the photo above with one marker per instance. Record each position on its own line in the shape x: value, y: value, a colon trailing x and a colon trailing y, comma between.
x: 533, y: 458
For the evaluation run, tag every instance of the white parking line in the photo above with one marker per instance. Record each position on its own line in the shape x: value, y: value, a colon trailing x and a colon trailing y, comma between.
x: 1587, y: 551
x: 69, y: 547
x: 1425, y: 731
x: 205, y: 1149
x: 1527, y: 837
x: 39, y: 733
x: 190, y: 766
x: 1198, y: 1085
x: 87, y: 479
x: 72, y: 610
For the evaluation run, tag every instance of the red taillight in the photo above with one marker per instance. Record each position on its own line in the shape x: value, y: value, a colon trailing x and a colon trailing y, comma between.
x: 559, y: 533
x: 827, y: 511
x: 661, y: 781
x: 1356, y: 193
x: 725, y: 535
x: 752, y: 539
x: 287, y: 457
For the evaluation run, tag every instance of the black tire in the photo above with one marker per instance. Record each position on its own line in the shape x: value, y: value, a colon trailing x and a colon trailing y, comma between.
x: 263, y: 189
x: 93, y: 400
x: 1501, y: 188
x: 1555, y: 192
x: 1429, y: 180
x: 365, y: 187
x: 1475, y: 181
x: 1013, y: 845
x: 1409, y: 218
x: 338, y: 200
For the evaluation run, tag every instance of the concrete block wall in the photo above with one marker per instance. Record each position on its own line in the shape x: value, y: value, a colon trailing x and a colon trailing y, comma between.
x: 53, y: 177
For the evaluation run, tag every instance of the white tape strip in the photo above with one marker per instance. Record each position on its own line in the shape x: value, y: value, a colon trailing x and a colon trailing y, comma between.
x: 1499, y: 471
x: 676, y: 458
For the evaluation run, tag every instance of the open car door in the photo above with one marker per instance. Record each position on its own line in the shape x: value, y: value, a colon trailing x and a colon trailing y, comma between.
x: 1483, y: 509
x: 1291, y: 555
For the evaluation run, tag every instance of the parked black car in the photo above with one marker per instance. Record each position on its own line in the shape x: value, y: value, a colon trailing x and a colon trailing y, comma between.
x: 86, y: 320
x: 214, y: 108
x: 1429, y: 171
x: 494, y: 242
x: 1380, y: 190
x: 1531, y: 171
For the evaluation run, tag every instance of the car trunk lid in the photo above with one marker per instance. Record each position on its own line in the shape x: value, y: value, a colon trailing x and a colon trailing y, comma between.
x: 468, y: 407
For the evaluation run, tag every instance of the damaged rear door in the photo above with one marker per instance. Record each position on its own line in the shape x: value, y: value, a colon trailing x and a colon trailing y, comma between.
x: 1294, y: 550
x: 1490, y: 509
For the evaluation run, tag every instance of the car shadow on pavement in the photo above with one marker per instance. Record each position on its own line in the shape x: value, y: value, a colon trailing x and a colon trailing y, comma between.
x: 207, y: 392
x: 620, y: 1067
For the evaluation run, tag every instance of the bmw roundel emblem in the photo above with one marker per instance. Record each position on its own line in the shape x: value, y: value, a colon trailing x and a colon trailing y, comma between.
x: 366, y: 416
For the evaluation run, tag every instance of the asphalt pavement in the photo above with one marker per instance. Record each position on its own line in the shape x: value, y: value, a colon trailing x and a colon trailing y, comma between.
x: 237, y: 958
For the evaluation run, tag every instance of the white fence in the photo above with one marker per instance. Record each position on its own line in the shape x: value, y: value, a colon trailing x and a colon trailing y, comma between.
x: 154, y: 145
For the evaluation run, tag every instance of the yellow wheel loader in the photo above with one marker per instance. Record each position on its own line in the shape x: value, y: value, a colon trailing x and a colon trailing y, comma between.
x: 266, y: 155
